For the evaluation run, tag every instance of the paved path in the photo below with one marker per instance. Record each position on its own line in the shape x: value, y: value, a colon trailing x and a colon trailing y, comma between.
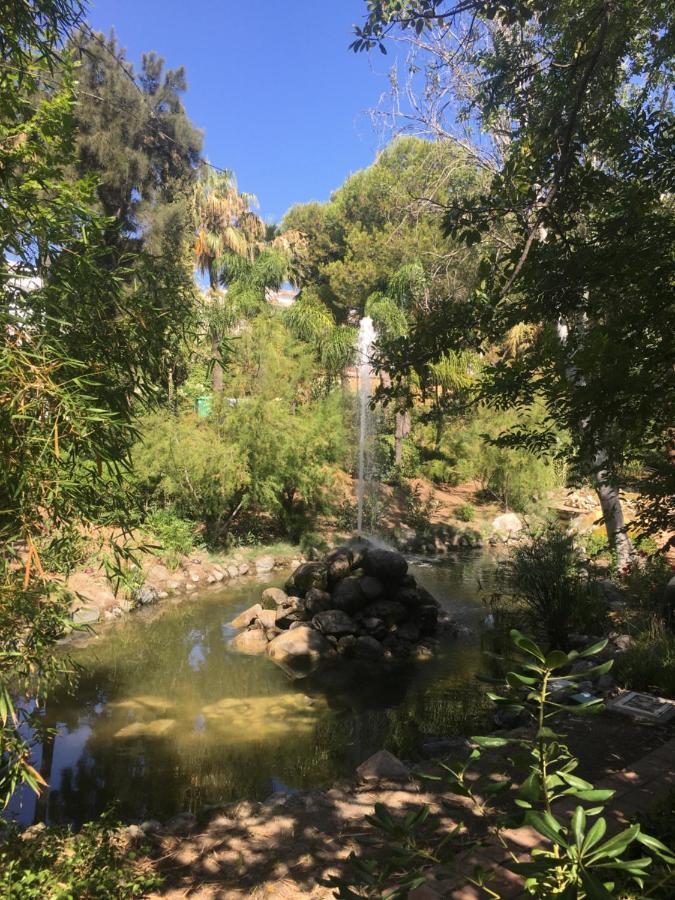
x: 637, y: 789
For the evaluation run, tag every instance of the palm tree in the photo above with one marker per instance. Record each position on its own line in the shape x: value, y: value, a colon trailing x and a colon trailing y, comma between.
x: 225, y: 224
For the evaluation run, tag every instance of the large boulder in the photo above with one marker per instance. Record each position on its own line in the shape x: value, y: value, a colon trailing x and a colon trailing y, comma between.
x: 371, y: 588
x: 299, y: 650
x: 244, y: 619
x: 507, y: 524
x: 264, y: 564
x: 388, y: 610
x: 367, y: 647
x: 252, y: 642
x: 358, y: 547
x: 408, y: 631
x: 274, y: 597
x: 386, y: 565
x: 296, y: 612
x: 336, y: 622
x: 339, y: 563
x: 408, y: 596
x: 347, y: 595
x: 317, y: 601
x: 307, y: 576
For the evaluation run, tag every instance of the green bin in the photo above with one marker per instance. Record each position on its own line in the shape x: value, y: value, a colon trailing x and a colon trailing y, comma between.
x: 203, y: 406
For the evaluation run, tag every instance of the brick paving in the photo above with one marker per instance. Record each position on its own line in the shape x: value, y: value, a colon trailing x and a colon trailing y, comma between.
x: 637, y: 789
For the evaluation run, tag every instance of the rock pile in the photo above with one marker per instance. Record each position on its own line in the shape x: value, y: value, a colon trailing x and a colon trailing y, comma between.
x: 359, y: 602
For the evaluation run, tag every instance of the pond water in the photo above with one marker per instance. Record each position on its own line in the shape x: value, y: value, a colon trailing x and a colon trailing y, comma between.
x: 166, y: 718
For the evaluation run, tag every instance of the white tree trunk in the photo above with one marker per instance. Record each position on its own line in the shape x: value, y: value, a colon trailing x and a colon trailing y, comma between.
x: 608, y: 493
x: 612, y: 514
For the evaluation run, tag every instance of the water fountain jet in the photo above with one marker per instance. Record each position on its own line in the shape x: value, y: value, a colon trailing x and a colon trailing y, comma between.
x: 367, y: 337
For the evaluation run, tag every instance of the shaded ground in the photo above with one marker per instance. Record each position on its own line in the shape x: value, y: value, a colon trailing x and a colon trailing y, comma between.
x: 283, y: 847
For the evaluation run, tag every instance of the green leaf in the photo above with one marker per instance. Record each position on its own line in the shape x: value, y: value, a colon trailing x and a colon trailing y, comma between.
x: 579, y: 825
x: 595, y: 833
x: 575, y: 782
x: 616, y: 845
x: 657, y: 846
x: 547, y: 826
x: 556, y: 659
x: 594, y: 796
x: 491, y: 741
x: 515, y: 679
x: 594, y: 888
x: 594, y: 648
x: 527, y: 645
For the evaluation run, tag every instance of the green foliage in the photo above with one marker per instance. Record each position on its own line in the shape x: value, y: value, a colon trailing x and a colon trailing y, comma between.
x: 574, y: 857
x: 644, y: 586
x: 579, y: 208
x: 373, y: 237
x: 310, y: 320
x: 465, y: 513
x: 462, y: 449
x: 86, y: 320
x: 543, y: 574
x: 439, y: 471
x: 387, y: 468
x: 62, y: 550
x: 176, y: 536
x: 32, y: 619
x: 264, y: 461
x: 57, y: 864
x: 649, y: 663
x: 182, y: 463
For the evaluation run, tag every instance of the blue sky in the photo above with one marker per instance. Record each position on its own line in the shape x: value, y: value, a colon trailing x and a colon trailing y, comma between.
x: 282, y: 100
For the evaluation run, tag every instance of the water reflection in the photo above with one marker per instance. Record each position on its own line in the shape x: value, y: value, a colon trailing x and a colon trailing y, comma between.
x: 165, y: 718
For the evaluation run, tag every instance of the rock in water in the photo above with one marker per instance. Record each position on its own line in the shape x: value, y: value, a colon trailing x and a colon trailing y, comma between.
x: 336, y: 622
x: 383, y: 766
x: 347, y: 595
x: 307, y: 576
x: 317, y: 601
x: 298, y: 650
x: 386, y: 565
x: 273, y: 597
x: 252, y: 642
x: 387, y: 610
x: 367, y: 647
x: 371, y: 588
x: 244, y: 619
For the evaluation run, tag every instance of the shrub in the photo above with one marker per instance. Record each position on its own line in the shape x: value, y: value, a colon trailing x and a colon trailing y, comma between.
x: 175, y: 535
x: 54, y: 863
x: 183, y: 463
x: 440, y: 471
x: 543, y: 574
x: 465, y: 513
x: 649, y: 665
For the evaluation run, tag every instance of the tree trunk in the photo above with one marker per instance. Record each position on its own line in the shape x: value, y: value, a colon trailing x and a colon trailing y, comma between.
x: 608, y: 493
x: 612, y: 514
x: 402, y: 432
x: 217, y: 370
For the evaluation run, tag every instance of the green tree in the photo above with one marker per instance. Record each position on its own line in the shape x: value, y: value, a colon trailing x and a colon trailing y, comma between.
x: 578, y: 99
x: 82, y: 344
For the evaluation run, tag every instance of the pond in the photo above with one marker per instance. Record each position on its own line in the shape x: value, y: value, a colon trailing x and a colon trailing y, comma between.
x: 166, y: 718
